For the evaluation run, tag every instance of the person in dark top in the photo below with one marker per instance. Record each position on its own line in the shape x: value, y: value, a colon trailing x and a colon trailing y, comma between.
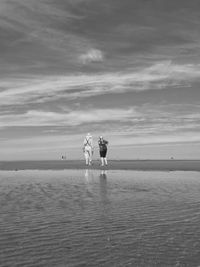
x: 103, y: 150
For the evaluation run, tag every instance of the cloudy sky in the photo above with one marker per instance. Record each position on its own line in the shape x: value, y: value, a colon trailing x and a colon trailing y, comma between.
x: 125, y: 69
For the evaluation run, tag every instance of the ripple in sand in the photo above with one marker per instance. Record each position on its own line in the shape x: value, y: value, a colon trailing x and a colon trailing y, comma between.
x: 115, y: 218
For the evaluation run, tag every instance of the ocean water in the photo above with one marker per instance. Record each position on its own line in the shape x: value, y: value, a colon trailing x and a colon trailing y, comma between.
x: 99, y: 218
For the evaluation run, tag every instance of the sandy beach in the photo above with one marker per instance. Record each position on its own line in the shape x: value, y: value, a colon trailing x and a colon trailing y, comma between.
x: 145, y: 165
x: 99, y: 218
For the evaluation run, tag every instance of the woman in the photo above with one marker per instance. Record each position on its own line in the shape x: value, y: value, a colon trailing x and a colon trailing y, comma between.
x: 88, y: 149
x: 103, y: 150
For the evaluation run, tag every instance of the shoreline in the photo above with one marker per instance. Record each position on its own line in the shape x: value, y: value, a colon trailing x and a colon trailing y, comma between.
x: 143, y: 165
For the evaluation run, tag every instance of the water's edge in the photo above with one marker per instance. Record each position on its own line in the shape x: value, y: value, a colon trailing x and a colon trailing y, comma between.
x: 159, y: 165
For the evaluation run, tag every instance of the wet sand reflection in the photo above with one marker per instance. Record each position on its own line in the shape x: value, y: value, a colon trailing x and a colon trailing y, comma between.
x: 99, y: 218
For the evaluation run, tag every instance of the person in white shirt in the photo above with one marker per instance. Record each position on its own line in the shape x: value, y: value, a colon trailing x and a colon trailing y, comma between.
x: 88, y: 149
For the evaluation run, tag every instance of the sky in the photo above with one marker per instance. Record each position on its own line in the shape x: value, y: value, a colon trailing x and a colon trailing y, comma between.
x: 125, y: 69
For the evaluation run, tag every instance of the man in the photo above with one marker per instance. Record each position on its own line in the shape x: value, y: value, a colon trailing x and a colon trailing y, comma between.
x: 103, y: 150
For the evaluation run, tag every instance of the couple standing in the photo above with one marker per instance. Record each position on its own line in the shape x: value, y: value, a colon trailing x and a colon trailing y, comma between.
x: 88, y: 149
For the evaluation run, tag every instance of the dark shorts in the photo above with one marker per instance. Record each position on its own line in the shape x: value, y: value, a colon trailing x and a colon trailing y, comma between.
x: 103, y: 153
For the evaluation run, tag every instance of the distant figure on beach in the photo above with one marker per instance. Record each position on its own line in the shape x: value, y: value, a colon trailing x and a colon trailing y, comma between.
x: 88, y: 149
x: 103, y: 150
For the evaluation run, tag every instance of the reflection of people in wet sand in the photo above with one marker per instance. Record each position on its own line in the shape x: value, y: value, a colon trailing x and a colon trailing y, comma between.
x: 103, y: 150
x: 88, y: 175
x: 88, y: 149
x: 103, y: 187
x: 103, y: 174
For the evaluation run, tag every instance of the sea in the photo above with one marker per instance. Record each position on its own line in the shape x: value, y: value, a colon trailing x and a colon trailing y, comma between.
x: 102, y: 217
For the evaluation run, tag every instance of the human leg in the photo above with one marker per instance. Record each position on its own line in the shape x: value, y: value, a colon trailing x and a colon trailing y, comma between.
x: 101, y: 157
x: 90, y: 155
x: 105, y: 161
x: 86, y: 157
x: 104, y: 157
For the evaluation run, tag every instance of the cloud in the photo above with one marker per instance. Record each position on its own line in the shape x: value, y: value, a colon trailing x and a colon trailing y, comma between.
x: 43, y: 89
x: 73, y: 118
x: 139, y: 126
x: 93, y: 55
x: 26, y: 15
x: 173, y: 138
x: 130, y: 122
x: 38, y: 36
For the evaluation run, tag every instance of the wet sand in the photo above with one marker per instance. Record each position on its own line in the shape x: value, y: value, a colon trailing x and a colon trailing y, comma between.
x: 145, y: 165
x: 99, y: 218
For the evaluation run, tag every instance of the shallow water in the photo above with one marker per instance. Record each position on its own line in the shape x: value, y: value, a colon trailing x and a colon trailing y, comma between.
x: 97, y: 218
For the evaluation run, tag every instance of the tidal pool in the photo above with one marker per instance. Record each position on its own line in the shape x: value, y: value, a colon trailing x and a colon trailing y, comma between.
x: 99, y: 218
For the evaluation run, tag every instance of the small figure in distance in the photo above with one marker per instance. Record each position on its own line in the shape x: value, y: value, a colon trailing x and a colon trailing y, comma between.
x: 103, y: 150
x: 88, y: 149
